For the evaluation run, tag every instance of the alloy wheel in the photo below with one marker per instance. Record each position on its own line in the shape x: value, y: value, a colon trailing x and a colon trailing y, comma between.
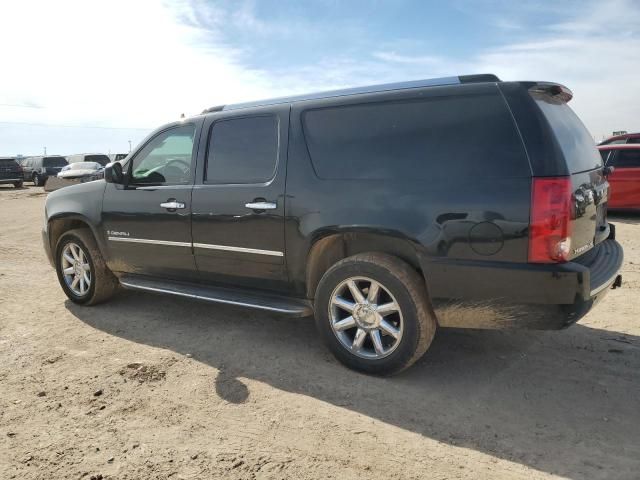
x: 76, y: 269
x: 365, y: 317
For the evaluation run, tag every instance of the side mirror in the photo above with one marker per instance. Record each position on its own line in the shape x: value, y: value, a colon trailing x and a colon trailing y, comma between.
x: 113, y: 173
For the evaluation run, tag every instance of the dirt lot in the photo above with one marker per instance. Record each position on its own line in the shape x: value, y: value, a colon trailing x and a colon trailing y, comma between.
x: 155, y: 387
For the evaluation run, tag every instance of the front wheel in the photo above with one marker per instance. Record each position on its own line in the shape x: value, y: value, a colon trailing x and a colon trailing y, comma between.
x: 17, y: 184
x: 373, y: 312
x: 82, y: 273
x: 36, y: 180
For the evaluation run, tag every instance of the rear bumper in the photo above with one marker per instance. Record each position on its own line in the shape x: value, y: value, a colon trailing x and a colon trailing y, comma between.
x: 499, y: 295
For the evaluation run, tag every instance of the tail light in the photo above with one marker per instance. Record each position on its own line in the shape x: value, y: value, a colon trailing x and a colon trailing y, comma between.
x: 550, y: 223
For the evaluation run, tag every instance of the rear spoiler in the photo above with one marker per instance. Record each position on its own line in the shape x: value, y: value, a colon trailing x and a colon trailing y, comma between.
x: 554, y: 89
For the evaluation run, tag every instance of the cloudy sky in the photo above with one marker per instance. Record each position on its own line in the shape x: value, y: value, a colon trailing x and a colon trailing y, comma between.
x: 89, y: 75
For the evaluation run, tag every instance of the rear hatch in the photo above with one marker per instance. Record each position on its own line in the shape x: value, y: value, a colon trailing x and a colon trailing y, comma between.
x: 53, y: 165
x: 9, y: 169
x: 589, y: 188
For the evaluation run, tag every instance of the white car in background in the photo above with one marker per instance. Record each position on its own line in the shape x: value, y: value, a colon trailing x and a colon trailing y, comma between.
x: 85, y: 171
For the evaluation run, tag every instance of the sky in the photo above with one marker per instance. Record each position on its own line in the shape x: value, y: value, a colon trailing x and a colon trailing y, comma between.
x: 90, y: 76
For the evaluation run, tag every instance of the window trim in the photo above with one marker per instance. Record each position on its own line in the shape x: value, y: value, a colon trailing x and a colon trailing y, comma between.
x: 240, y: 117
x: 132, y: 158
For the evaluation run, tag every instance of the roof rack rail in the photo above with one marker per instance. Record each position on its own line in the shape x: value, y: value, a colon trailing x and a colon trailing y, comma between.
x: 431, y: 82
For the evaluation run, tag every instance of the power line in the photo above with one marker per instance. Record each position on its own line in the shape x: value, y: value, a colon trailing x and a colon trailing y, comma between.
x: 72, y: 126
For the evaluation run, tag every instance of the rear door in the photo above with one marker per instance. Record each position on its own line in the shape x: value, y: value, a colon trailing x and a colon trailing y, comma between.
x: 9, y: 169
x: 238, y: 200
x: 579, y: 158
x: 625, y: 179
x: 53, y: 165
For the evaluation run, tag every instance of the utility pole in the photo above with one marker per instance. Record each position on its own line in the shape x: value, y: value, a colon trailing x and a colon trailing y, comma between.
x: 45, y: 150
x: 129, y: 146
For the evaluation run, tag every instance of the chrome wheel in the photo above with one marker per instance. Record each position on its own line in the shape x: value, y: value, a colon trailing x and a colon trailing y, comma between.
x: 365, y: 317
x: 76, y: 269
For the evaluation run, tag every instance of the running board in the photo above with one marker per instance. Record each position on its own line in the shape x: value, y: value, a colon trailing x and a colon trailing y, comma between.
x: 287, y: 306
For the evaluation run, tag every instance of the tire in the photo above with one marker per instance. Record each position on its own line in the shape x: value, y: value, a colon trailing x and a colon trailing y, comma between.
x: 18, y: 184
x: 414, y: 323
x: 36, y: 180
x: 103, y: 284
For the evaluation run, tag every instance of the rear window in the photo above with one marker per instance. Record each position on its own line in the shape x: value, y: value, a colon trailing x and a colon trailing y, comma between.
x: 465, y: 135
x: 574, y: 139
x: 54, y: 162
x: 101, y: 159
x: 8, y: 163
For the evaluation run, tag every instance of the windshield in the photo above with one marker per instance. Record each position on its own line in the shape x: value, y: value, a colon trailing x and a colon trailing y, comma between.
x: 574, y: 139
x: 101, y: 159
x: 54, y: 162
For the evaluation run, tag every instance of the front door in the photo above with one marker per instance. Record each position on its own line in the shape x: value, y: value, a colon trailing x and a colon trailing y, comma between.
x: 238, y: 199
x: 147, y: 222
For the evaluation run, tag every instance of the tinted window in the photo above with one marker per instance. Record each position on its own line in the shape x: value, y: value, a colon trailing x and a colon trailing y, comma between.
x: 421, y: 139
x: 167, y: 158
x: 243, y: 150
x: 627, y: 159
x: 101, y: 159
x: 54, y: 162
x: 574, y: 139
x: 604, y: 154
x: 8, y: 163
x: 634, y: 140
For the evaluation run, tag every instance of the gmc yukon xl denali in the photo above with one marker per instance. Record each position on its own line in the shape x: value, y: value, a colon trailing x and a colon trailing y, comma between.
x: 384, y: 211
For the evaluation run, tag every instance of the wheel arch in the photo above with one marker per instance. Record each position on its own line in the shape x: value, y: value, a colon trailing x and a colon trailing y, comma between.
x: 59, y: 224
x: 329, y: 248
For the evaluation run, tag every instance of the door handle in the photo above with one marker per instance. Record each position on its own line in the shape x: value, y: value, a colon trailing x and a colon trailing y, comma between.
x: 172, y: 205
x: 261, y: 205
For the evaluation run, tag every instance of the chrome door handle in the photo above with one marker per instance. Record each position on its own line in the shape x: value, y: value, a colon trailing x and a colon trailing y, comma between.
x: 261, y: 205
x: 172, y: 205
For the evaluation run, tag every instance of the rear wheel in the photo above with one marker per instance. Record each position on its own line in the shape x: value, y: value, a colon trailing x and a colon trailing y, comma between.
x: 82, y: 273
x: 373, y: 312
x: 37, y: 181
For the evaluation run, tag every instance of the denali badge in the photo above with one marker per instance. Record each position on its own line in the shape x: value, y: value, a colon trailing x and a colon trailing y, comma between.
x: 581, y: 249
x: 112, y: 233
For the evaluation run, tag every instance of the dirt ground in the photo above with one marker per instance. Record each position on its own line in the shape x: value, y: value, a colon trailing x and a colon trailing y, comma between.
x: 151, y: 387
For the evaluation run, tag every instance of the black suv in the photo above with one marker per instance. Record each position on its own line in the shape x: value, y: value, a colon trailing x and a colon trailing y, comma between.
x: 384, y: 211
x: 39, y: 169
x: 10, y: 172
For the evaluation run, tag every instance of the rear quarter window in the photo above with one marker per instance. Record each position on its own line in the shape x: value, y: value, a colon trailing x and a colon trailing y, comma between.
x: 575, y: 141
x: 439, y: 137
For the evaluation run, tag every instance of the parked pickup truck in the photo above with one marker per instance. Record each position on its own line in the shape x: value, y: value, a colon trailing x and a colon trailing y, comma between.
x: 384, y: 211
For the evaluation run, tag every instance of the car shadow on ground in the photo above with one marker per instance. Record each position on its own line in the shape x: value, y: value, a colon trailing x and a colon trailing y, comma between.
x: 560, y: 402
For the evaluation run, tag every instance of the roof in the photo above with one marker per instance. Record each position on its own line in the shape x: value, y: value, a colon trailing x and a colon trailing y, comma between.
x: 386, y: 87
x: 619, y: 146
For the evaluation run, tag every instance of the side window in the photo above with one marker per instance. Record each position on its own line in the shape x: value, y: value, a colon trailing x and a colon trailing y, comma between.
x: 627, y: 159
x: 242, y: 150
x: 439, y: 137
x: 634, y: 140
x: 604, y: 154
x: 166, y: 159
